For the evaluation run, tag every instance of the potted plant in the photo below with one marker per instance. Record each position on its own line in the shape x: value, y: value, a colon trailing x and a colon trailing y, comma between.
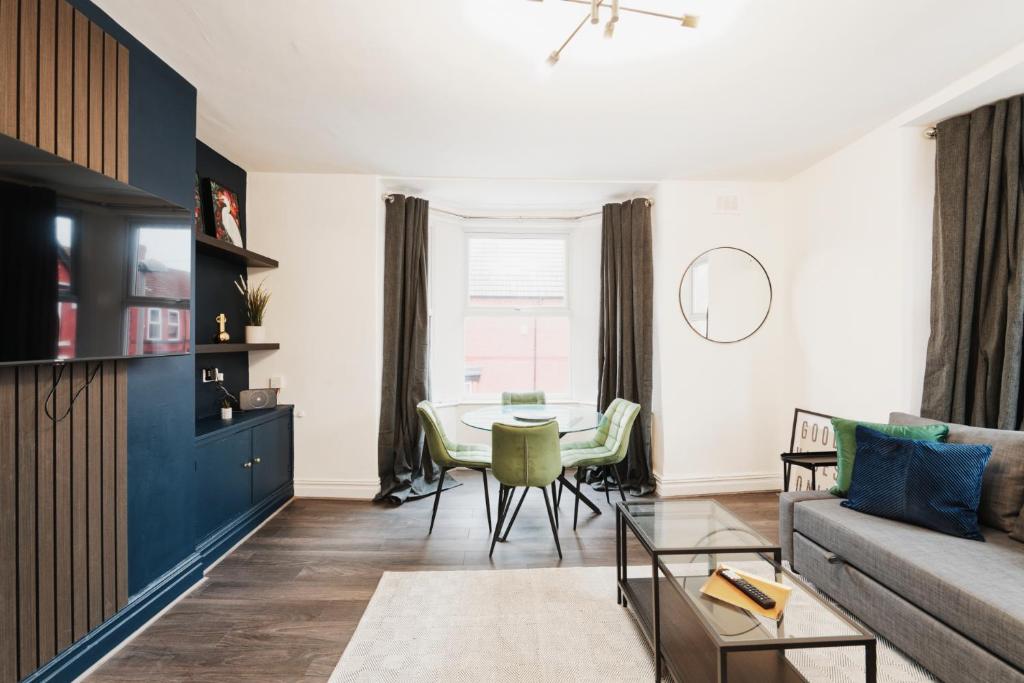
x: 256, y: 300
x: 225, y: 409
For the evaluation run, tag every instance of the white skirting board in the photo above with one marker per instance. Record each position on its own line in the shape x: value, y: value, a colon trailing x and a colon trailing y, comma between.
x: 364, y: 489
x: 707, y: 484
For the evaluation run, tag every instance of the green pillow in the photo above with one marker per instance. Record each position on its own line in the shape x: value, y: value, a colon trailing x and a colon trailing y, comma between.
x: 846, y: 444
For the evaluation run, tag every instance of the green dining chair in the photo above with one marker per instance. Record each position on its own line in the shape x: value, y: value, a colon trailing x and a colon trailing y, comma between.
x: 522, y: 398
x: 607, y: 448
x: 526, y: 457
x: 447, y: 454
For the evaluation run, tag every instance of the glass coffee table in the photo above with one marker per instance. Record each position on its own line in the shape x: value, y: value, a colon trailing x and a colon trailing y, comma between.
x: 699, y: 638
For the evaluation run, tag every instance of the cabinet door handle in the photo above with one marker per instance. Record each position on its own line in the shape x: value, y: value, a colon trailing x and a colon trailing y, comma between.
x: 257, y: 461
x: 247, y: 465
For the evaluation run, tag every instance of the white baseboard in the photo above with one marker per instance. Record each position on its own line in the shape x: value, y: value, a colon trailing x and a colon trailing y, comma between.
x: 364, y: 489
x: 704, y: 485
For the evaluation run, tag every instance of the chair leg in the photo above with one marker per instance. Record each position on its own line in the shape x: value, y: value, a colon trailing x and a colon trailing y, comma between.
x: 437, y: 499
x: 487, y: 499
x: 558, y: 499
x: 503, y: 493
x: 515, y: 514
x: 551, y: 521
x: 553, y: 498
x: 576, y: 508
x: 615, y: 473
x: 607, y: 494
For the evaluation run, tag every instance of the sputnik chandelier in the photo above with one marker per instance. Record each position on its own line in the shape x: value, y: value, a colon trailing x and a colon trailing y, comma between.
x: 594, y: 17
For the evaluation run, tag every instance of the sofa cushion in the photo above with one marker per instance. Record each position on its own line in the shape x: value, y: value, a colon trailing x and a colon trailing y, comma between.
x: 934, y: 485
x: 846, y: 444
x: 1002, y: 485
x: 974, y: 588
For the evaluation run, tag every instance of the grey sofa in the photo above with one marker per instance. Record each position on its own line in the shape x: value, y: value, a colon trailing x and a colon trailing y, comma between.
x: 954, y: 605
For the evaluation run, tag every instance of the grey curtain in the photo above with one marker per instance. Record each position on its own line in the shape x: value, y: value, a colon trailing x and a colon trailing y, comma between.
x: 405, y: 469
x: 973, y: 366
x: 626, y: 330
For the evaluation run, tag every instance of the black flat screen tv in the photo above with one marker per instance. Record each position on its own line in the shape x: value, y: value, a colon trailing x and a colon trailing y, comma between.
x: 90, y: 269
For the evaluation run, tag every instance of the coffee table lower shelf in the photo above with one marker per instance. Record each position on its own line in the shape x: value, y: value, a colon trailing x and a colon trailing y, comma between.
x: 687, y: 652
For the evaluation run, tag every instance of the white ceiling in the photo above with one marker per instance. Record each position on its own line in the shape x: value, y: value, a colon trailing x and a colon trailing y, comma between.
x: 458, y: 88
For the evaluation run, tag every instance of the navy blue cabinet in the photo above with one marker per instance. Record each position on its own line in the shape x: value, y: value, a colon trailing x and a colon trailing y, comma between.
x: 244, y: 473
x: 271, y: 457
x: 223, y: 470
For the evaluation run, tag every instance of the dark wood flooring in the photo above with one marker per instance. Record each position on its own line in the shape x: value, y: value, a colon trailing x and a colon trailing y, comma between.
x: 284, y: 604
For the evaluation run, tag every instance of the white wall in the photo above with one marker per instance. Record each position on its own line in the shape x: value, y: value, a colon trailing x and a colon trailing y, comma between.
x: 719, y: 423
x: 861, y: 254
x: 846, y: 244
x: 325, y: 311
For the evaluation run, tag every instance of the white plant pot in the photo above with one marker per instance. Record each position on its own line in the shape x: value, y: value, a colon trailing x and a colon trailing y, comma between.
x: 225, y: 413
x: 255, y: 334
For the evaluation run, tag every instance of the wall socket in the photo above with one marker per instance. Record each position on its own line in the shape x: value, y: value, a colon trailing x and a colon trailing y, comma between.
x: 212, y: 375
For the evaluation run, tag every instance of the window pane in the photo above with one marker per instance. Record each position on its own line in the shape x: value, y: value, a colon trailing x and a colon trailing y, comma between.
x: 162, y: 267
x: 516, y: 353
x: 517, y: 272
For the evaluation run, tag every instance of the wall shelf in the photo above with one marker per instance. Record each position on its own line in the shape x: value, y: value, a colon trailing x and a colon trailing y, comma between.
x: 235, y: 348
x: 212, y: 245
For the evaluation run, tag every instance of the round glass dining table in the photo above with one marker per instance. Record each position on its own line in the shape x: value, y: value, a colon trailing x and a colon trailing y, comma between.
x: 570, y: 418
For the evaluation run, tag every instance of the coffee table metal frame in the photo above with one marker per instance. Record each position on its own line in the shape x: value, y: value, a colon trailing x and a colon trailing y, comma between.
x: 769, y: 553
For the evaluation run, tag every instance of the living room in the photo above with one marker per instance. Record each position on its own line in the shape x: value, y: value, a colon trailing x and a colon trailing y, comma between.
x: 339, y: 283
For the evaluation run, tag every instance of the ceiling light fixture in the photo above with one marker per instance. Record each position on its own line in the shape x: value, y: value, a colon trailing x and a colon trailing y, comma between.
x: 594, y: 17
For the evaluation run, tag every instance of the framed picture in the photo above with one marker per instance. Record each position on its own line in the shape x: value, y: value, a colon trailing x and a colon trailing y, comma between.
x: 224, y: 214
x: 198, y: 212
x: 812, y: 433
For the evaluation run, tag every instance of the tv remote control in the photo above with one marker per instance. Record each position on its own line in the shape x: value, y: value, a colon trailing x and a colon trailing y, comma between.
x: 749, y: 589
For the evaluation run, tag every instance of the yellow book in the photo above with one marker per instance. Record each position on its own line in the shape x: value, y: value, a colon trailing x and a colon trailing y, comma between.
x: 717, y: 587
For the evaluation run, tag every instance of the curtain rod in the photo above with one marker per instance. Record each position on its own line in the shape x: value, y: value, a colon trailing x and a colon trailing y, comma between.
x: 391, y: 197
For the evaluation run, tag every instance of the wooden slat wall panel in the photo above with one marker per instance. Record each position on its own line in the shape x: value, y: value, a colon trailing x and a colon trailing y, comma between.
x: 95, y: 98
x: 109, y: 106
x: 108, y: 499
x: 80, y: 92
x: 8, y: 525
x: 62, y: 512
x: 65, y: 77
x: 28, y: 654
x: 64, y: 85
x: 44, y: 517
x: 122, y: 113
x: 79, y: 501
x: 9, y: 67
x: 48, y: 75
x: 121, y: 482
x: 94, y: 436
x: 28, y: 69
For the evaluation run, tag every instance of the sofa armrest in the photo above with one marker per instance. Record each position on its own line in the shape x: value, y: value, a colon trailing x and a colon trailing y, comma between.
x: 787, y: 501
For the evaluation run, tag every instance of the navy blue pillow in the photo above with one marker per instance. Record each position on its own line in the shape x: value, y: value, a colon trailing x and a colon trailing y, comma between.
x: 927, y: 483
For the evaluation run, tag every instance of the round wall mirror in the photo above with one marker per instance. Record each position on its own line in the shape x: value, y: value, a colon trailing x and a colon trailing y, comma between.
x: 725, y: 295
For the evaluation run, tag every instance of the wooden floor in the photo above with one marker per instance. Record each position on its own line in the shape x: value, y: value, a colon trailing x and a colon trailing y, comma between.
x: 284, y: 604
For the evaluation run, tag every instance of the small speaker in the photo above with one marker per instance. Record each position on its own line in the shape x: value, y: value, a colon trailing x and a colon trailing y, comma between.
x: 257, y: 399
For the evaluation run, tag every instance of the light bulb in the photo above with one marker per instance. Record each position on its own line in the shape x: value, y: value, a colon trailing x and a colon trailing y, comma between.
x: 690, y: 20
x: 609, y: 29
x: 553, y: 58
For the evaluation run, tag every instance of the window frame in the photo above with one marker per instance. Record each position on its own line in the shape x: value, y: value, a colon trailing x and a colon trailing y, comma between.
x: 470, y: 309
x: 176, y: 324
x: 159, y: 324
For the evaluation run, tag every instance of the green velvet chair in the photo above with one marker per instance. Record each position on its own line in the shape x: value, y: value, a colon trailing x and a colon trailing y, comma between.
x: 526, y: 457
x: 514, y: 398
x: 447, y: 454
x: 607, y: 448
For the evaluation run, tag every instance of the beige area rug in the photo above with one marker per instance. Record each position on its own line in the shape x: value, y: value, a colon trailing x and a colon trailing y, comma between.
x: 533, y: 625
